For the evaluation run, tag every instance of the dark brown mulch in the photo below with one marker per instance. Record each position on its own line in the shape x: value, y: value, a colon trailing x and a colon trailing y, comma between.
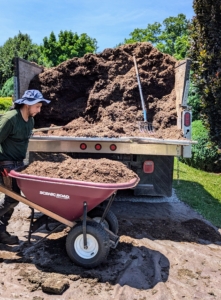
x: 193, y: 230
x: 98, y: 94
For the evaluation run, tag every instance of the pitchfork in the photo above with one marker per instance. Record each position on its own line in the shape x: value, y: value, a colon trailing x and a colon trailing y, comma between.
x: 144, y: 126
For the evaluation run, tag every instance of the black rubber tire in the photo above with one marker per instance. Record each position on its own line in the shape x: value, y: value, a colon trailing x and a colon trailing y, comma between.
x: 110, y: 221
x: 97, y: 237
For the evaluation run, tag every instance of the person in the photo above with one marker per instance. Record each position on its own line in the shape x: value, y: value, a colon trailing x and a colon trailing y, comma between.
x: 16, y: 128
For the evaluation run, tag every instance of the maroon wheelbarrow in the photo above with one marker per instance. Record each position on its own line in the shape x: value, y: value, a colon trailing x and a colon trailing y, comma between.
x: 77, y: 204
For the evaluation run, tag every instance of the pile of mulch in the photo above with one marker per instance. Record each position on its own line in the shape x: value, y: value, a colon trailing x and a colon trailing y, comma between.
x: 91, y: 170
x: 98, y: 95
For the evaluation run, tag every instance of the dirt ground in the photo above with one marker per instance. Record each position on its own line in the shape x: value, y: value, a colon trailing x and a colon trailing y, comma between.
x: 94, y: 170
x: 98, y: 94
x: 166, y: 251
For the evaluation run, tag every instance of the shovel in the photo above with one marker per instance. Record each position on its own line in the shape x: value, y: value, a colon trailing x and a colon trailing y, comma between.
x: 144, y: 126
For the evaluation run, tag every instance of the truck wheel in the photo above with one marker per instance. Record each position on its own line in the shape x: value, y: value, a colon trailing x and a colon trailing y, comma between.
x: 98, y: 245
x: 110, y: 222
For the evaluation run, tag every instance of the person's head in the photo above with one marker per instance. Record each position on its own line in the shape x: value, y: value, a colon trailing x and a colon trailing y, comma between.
x: 32, y: 100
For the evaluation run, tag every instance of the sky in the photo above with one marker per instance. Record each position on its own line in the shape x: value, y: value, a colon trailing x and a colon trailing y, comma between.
x: 109, y: 22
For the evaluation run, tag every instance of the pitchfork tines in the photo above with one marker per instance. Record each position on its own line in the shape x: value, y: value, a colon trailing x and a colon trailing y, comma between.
x: 146, y: 127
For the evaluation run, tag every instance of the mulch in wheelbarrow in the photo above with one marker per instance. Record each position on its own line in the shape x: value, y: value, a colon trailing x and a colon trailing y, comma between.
x: 93, y: 170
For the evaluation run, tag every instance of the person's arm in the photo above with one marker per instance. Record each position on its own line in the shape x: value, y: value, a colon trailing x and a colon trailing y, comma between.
x: 5, y: 128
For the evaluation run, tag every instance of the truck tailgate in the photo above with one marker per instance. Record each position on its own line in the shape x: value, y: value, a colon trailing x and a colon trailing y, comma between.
x: 122, y: 145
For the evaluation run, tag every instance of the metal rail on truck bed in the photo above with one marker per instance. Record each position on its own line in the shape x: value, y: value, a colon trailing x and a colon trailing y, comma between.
x: 123, y: 145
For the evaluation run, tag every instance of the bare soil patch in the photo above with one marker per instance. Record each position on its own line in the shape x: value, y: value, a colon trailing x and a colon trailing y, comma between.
x: 166, y: 251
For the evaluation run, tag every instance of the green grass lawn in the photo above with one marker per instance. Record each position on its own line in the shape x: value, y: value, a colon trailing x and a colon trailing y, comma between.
x: 200, y: 190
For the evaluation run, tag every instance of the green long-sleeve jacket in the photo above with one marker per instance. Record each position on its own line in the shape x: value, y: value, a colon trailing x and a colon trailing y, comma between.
x: 14, y: 135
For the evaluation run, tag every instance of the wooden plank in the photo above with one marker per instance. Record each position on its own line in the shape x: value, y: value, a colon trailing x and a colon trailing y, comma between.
x: 47, y: 212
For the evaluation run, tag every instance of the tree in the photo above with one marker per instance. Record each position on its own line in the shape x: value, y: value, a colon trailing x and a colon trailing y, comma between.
x: 8, y: 88
x: 68, y: 45
x: 20, y: 46
x: 205, y: 155
x: 205, y: 53
x: 170, y: 37
x: 194, y: 100
x: 150, y: 34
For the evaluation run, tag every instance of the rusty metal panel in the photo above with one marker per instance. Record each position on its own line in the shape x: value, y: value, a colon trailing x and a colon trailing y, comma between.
x: 24, y: 71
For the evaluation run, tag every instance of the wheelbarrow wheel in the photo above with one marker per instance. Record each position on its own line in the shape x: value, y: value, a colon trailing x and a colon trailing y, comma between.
x: 110, y: 221
x: 98, y: 245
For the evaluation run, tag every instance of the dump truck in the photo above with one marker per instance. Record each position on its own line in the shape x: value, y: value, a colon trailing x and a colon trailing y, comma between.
x: 151, y: 158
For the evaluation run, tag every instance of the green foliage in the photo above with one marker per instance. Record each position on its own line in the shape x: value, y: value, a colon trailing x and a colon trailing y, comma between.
x: 181, y: 46
x: 5, y: 103
x: 150, y: 34
x: 205, y: 155
x: 8, y: 88
x: 171, y: 37
x: 205, y: 53
x: 174, y: 37
x: 194, y: 102
x: 20, y: 46
x: 67, y: 46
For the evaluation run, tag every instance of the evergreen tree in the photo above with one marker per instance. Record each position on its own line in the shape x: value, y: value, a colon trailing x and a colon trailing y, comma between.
x: 205, y: 53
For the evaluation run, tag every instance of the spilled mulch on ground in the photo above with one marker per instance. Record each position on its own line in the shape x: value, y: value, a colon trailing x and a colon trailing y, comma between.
x: 93, y: 170
x: 98, y: 94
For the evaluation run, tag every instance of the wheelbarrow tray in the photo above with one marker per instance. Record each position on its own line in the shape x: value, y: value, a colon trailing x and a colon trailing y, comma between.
x: 66, y: 197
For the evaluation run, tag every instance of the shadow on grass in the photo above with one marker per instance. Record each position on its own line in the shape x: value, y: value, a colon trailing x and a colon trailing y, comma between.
x: 194, y: 194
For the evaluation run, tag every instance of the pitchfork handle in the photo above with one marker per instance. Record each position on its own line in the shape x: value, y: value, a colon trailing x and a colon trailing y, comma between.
x: 140, y: 90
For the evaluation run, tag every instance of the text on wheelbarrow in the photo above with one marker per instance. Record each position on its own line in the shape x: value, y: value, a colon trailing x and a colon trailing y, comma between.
x: 61, y: 196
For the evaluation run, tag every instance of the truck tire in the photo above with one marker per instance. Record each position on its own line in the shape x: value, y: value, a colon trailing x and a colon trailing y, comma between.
x: 97, y: 242
x: 110, y: 221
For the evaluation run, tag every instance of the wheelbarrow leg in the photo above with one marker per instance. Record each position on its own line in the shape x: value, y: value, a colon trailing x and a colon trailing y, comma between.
x: 85, y: 225
x: 34, y: 225
x: 31, y: 224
